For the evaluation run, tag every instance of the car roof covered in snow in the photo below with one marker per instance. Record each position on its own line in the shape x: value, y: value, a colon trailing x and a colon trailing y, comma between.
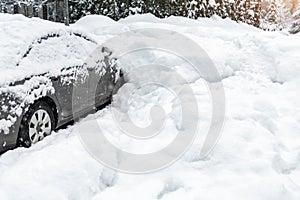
x: 30, y: 46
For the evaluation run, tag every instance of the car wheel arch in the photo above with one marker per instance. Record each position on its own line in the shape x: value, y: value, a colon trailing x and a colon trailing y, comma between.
x: 53, y: 105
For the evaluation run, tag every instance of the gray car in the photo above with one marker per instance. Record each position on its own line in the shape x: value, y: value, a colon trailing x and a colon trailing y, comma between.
x: 41, y: 99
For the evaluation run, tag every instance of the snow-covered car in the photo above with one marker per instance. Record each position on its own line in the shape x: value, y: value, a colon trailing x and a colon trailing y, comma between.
x: 41, y: 63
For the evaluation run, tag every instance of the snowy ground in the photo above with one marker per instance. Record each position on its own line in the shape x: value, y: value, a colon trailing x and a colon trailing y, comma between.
x: 257, y: 157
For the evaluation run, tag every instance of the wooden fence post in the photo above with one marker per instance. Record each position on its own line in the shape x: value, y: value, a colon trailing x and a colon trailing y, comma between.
x: 66, y: 12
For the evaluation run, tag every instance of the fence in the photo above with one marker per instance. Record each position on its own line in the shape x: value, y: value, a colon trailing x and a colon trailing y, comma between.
x: 53, y: 10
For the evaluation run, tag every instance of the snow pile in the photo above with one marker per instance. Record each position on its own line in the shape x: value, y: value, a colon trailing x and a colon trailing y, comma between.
x: 101, y: 26
x: 257, y: 157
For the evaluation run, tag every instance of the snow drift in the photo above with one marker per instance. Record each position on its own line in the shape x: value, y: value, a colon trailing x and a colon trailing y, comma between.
x: 257, y: 157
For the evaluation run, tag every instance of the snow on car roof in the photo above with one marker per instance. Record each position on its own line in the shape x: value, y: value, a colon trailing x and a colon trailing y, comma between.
x: 34, y: 46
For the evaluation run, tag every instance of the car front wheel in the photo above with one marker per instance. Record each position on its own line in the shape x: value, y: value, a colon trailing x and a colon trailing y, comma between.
x: 37, y: 123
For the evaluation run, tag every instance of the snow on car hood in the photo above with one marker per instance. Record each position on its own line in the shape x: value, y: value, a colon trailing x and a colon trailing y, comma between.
x: 34, y: 46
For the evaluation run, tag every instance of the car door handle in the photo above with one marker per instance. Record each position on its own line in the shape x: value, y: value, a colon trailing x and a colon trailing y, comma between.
x: 90, y: 68
x: 54, y: 78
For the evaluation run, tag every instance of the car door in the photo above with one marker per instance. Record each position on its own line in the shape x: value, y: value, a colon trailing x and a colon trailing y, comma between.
x: 72, y: 90
x: 102, y: 78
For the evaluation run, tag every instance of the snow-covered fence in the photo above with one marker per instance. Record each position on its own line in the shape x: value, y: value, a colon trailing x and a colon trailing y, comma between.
x: 52, y: 10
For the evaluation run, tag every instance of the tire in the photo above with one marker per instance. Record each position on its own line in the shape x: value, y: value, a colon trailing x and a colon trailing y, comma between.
x: 37, y: 123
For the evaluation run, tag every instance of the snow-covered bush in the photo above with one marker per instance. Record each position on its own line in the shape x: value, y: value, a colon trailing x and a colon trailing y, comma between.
x: 296, y: 20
